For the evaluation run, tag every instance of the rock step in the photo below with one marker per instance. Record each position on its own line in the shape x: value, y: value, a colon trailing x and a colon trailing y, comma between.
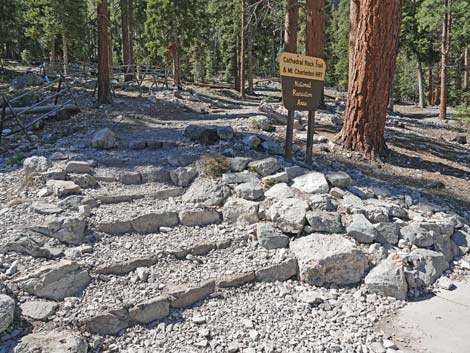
x: 115, y: 198
x: 182, y: 296
x: 154, y: 221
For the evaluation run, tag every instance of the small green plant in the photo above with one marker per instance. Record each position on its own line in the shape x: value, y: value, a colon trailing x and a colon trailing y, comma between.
x: 16, y: 159
x: 463, y: 113
x: 214, y: 166
x: 26, y: 57
x: 270, y: 182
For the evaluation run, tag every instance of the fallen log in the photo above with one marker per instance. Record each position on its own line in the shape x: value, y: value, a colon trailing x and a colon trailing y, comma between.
x: 70, y: 108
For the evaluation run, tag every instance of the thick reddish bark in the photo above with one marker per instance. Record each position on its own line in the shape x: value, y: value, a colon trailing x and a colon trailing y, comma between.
x: 126, y: 40
x: 243, y: 50
x: 314, y: 28
x: 444, y: 51
x: 104, y: 75
x: 353, y: 20
x: 291, y: 27
x: 374, y: 58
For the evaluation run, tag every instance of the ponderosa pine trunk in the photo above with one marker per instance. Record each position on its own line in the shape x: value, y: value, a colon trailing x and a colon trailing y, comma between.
x: 431, y: 85
x: 314, y: 41
x: 291, y: 26
x: 65, y: 52
x: 374, y: 58
x: 444, y: 51
x: 465, y: 69
x: 52, y: 57
x: 104, y: 75
x: 249, y: 57
x: 235, y: 68
x: 126, y: 44
x: 421, y: 103
x: 353, y: 20
x: 243, y: 51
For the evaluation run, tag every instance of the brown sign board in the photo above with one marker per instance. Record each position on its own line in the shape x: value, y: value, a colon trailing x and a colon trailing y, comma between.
x: 302, y: 79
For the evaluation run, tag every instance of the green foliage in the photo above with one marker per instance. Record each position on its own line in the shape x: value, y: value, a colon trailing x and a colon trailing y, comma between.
x: 463, y: 113
x: 214, y: 166
x: 16, y: 159
x: 26, y: 57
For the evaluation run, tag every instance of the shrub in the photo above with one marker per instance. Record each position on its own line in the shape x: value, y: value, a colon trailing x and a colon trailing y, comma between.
x: 214, y: 166
x: 26, y: 57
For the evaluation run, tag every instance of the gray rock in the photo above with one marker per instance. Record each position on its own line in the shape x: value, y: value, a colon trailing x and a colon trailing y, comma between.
x: 39, y: 310
x: 37, y: 164
x: 72, y: 202
x: 262, y: 122
x: 322, y: 202
x: 108, y: 323
x: 241, y: 211
x: 265, y: 167
x: 388, y: 233
x: 125, y: 267
x: 425, y: 234
x: 311, y: 298
x: 84, y: 181
x: 104, y: 139
x: 130, y: 178
x: 240, y: 178
x: 181, y: 160
x: 252, y: 141
x: 26, y: 246
x: 429, y: 266
x: 388, y: 278
x: 68, y: 230
x: 250, y: 191
x: 237, y: 280
x: 152, y: 222
x: 279, y: 272
x: 207, y: 192
x: 183, y: 296
x: 206, y: 135
x: 183, y: 176
x: 46, y: 208
x: 54, y: 174
x: 199, y: 217
x: 325, y: 222
x: 361, y: 229
x: 56, y: 281
x: 280, y: 191
x: 62, y: 188
x: 276, y: 178
x: 271, y: 146
x: 115, y: 227
x: 155, y: 175
x: 270, y: 238
x: 462, y: 239
x: 339, y: 179
x: 312, y: 183
x: 328, y: 258
x: 289, y: 215
x: 78, y: 167
x: 52, y: 342
x: 7, y: 311
x: 225, y: 133
x: 151, y: 310
x: 295, y: 171
x: 238, y: 164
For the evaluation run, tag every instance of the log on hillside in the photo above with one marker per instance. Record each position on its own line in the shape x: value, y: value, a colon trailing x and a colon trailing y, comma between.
x: 69, y: 108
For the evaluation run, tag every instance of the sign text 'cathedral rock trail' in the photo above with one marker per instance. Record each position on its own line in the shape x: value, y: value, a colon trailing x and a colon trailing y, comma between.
x: 302, y: 79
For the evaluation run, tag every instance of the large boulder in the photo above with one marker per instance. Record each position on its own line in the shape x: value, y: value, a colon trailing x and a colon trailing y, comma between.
x: 183, y: 176
x: 205, y: 135
x: 62, y: 188
x: 265, y: 167
x: 7, y: 311
x: 52, y: 342
x: 154, y: 309
x: 361, y: 229
x: 241, y: 211
x: 39, y: 310
x: 289, y: 215
x: 250, y: 191
x: 339, y: 179
x: 325, y: 222
x: 388, y: 233
x: 312, y: 183
x: 388, y: 278
x: 462, y: 239
x: 279, y: 191
x: 329, y: 259
x: 104, y: 139
x: 108, y: 323
x: 68, y: 230
x: 37, y: 164
x: 428, y: 266
x: 207, y: 192
x: 270, y: 238
x: 56, y: 281
x: 426, y: 233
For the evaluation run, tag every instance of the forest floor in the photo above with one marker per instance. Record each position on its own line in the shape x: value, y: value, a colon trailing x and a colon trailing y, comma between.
x: 428, y: 160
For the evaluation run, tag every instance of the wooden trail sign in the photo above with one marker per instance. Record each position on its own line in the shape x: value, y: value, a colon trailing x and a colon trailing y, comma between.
x: 302, y: 79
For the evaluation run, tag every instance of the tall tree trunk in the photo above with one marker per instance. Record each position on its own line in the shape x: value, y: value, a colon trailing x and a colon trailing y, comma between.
x: 431, y: 86
x: 465, y: 69
x: 177, y: 67
x: 374, y: 58
x: 353, y: 23
x: 52, y: 57
x: 65, y: 52
x: 249, y: 37
x: 130, y: 19
x: 314, y: 41
x: 243, y: 51
x: 291, y: 26
x: 104, y: 75
x: 235, y: 67
x: 444, y: 50
x: 126, y: 45
x: 421, y: 103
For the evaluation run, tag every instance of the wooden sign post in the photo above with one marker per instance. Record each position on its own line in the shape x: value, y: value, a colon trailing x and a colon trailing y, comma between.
x: 302, y: 79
